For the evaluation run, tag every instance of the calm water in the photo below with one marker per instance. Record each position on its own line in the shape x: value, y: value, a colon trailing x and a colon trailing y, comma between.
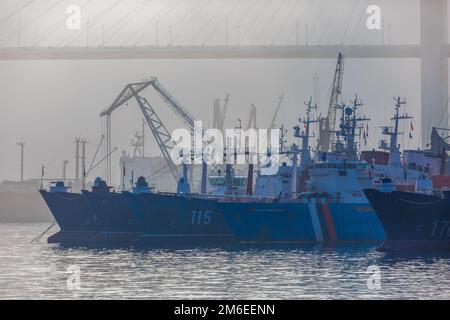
x: 37, y: 271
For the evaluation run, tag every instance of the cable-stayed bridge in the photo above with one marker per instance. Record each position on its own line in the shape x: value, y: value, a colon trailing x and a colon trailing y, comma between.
x: 230, y: 29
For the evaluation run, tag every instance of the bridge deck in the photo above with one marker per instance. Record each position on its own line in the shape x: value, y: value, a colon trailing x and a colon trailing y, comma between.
x: 209, y: 52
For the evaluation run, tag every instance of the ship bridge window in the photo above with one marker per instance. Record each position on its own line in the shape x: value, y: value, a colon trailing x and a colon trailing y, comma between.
x: 240, y: 182
x: 217, y: 182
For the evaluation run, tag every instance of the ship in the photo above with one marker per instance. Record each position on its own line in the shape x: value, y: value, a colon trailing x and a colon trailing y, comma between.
x: 333, y: 209
x: 412, y: 221
x: 180, y: 220
x: 417, y: 220
x: 312, y: 198
x: 72, y: 212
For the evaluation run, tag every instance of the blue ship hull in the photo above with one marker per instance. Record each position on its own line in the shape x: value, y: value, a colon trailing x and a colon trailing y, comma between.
x: 352, y: 222
x: 180, y: 220
x: 114, y: 212
x: 71, y: 211
x: 93, y: 218
x: 73, y: 214
x: 290, y: 222
x: 412, y: 221
x: 152, y: 219
x: 268, y: 223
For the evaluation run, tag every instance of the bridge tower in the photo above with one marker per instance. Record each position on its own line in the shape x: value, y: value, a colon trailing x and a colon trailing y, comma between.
x: 434, y: 65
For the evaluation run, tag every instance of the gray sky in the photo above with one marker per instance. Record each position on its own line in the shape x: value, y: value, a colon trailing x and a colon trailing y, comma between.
x: 48, y: 103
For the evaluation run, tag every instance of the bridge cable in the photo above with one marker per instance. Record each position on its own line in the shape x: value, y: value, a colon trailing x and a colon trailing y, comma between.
x: 57, y: 24
x: 163, y: 14
x: 349, y: 21
x: 186, y: 14
x: 92, y: 22
x: 13, y: 34
x: 317, y: 21
x: 246, y: 13
x: 124, y: 21
x: 16, y: 11
x: 192, y: 19
x: 359, y: 21
x: 333, y: 16
x: 272, y: 18
x: 299, y: 19
x: 263, y: 8
x: 220, y: 23
x: 292, y: 11
x: 145, y: 24
x: 213, y: 17
x: 125, y: 18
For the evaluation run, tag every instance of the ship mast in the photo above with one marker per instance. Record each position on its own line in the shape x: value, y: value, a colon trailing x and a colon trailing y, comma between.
x: 305, y: 160
x: 349, y: 122
x: 394, y: 151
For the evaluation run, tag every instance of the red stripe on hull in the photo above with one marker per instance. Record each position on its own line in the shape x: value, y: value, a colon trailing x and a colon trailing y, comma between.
x: 330, y: 223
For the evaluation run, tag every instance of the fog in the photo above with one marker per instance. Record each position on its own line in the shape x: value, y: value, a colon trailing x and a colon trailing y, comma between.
x: 47, y: 104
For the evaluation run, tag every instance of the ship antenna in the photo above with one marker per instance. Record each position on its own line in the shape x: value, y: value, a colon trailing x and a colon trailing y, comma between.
x: 42, y: 177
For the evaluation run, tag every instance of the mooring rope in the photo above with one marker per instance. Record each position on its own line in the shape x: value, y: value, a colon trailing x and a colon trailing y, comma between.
x: 43, y: 233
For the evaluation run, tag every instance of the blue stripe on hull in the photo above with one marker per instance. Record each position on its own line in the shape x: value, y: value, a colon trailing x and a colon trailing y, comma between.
x: 266, y: 223
x: 356, y: 222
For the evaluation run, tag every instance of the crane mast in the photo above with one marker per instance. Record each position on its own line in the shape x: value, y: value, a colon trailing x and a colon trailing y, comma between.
x: 220, y: 114
x: 160, y: 133
x: 277, y: 109
x: 251, y: 123
x: 327, y: 124
x: 173, y: 104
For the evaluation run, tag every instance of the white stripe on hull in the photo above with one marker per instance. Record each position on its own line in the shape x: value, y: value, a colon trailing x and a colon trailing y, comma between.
x: 315, y: 221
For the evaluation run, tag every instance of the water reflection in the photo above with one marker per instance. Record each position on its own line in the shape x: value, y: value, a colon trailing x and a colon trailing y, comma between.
x: 40, y: 271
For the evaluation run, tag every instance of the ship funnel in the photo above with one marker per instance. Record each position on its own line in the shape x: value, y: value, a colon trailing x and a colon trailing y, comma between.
x: 204, y: 173
x: 250, y: 180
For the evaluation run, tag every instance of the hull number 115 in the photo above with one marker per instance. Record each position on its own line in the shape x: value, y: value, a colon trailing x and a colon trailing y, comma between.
x: 201, y: 217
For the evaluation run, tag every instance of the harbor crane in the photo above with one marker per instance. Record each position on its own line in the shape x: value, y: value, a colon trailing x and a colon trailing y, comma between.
x: 251, y: 124
x: 327, y: 124
x: 277, y: 109
x: 159, y: 131
x: 219, y: 115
